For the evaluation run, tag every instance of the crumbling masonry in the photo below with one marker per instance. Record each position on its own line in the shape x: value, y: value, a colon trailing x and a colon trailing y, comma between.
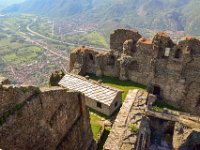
x: 171, y: 69
x: 47, y: 118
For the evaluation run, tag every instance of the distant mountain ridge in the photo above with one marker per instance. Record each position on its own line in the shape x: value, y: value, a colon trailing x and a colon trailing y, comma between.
x: 6, y: 3
x: 159, y: 14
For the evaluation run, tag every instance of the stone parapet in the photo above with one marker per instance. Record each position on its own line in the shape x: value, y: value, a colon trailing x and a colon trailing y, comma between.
x: 122, y: 136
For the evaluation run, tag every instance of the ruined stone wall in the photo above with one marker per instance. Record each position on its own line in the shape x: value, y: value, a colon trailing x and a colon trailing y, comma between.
x: 51, y: 118
x: 172, y: 67
x: 12, y: 96
x: 118, y: 38
x: 186, y: 138
x: 121, y: 136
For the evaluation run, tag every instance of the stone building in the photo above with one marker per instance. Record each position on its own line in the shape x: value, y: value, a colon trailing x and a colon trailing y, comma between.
x: 97, y: 96
x: 172, y: 70
x: 47, y: 118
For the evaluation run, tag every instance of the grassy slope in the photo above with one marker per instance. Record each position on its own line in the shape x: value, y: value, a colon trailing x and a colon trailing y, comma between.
x: 95, y: 116
x: 94, y: 38
x: 96, y: 125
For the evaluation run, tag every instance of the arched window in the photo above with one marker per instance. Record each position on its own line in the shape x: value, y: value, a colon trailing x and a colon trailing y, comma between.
x: 91, y: 57
x: 178, y: 53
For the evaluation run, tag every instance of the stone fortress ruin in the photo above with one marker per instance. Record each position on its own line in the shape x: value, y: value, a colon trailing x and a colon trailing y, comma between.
x: 56, y: 117
x: 170, y: 70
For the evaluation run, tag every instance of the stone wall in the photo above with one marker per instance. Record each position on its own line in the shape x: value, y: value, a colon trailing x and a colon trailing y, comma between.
x: 131, y: 113
x: 174, y: 68
x: 47, y: 118
x: 11, y: 96
x: 185, y: 138
x: 105, y: 109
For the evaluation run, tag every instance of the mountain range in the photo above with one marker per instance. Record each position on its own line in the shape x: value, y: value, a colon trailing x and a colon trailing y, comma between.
x: 181, y: 15
x: 6, y: 3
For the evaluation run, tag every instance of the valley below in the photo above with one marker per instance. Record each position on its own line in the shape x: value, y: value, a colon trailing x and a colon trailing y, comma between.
x: 30, y: 50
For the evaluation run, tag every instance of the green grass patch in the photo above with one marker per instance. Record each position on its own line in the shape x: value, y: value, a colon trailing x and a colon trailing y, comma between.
x: 116, y: 83
x: 95, y: 125
x: 21, y: 55
x: 134, y: 128
x: 156, y: 108
x: 91, y: 38
x: 160, y: 104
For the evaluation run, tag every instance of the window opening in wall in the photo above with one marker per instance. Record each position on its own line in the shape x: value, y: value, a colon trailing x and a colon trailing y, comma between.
x: 178, y: 53
x: 91, y: 57
x: 116, y: 103
x: 99, y: 105
x: 156, y: 90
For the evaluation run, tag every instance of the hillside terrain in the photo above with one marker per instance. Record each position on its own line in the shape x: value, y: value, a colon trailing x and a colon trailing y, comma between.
x: 153, y: 14
x: 26, y: 58
x: 6, y: 3
x: 30, y: 51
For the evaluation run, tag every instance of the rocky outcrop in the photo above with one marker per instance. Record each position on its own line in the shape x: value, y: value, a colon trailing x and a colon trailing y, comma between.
x: 47, y: 118
x: 172, y: 69
x: 56, y: 77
